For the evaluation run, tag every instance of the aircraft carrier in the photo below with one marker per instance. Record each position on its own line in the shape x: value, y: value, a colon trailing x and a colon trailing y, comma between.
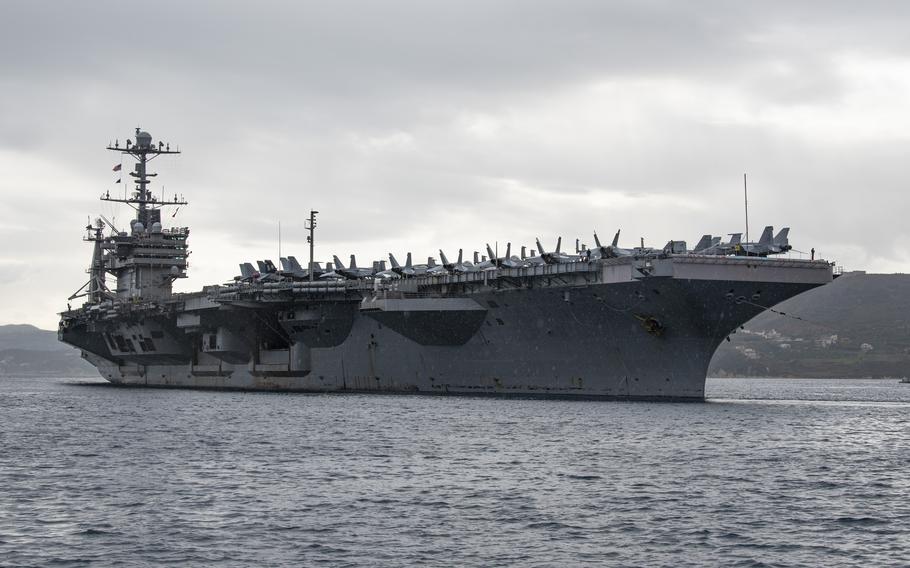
x: 605, y: 322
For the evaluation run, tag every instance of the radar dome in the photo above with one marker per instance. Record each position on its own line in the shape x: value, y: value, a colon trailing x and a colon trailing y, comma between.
x: 143, y: 139
x: 175, y: 271
x: 156, y: 227
x: 138, y: 228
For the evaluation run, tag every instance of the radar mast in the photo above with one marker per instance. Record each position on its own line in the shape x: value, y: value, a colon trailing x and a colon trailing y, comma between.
x: 148, y: 207
x: 148, y: 258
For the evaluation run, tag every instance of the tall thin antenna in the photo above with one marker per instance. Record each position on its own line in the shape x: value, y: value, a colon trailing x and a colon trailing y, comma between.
x: 746, y: 197
x: 311, y: 238
x: 279, y: 239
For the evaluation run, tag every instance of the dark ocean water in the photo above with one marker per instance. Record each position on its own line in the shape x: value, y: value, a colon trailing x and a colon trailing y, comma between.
x: 767, y: 473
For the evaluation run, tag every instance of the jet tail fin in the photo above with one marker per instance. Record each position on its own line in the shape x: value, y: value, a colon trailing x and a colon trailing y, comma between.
x: 295, y: 265
x: 247, y: 270
x: 353, y: 262
x: 459, y: 256
x: 767, y: 236
x: 338, y: 264
x: 781, y: 238
x: 596, y: 240
x: 616, y: 238
x: 393, y: 262
x: 704, y: 243
x: 558, y: 244
x: 490, y: 252
x: 442, y: 257
x: 736, y: 238
x: 407, y: 263
x: 540, y: 247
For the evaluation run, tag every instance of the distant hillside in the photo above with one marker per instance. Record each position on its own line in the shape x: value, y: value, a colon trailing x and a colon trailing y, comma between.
x: 858, y: 326
x: 26, y: 351
x: 30, y: 337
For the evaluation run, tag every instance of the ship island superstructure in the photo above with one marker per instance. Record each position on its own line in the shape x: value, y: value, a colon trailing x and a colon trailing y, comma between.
x: 605, y: 322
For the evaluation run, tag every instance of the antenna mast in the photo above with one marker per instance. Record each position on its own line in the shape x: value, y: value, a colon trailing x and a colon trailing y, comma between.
x: 310, y: 225
x: 746, y: 197
x: 148, y: 208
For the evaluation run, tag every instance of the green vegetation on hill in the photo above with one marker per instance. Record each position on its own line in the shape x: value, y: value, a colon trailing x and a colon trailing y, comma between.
x: 858, y: 326
x: 26, y: 351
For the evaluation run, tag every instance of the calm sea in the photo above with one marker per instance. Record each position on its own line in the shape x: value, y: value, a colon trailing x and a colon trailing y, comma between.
x: 766, y: 473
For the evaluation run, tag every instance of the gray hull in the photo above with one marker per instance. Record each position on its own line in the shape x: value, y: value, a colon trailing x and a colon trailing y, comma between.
x: 611, y: 329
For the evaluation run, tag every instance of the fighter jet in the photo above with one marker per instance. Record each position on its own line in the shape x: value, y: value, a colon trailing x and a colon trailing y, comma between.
x: 247, y: 273
x: 507, y: 261
x: 600, y: 251
x: 613, y: 250
x: 781, y: 242
x: 288, y: 269
x: 291, y: 268
x: 534, y: 260
x: 330, y: 273
x: 703, y: 244
x: 267, y: 271
x: 483, y: 263
x: 433, y: 268
x: 675, y: 247
x: 718, y: 248
x: 352, y: 272
x: 409, y: 269
x: 380, y: 271
x: 266, y: 266
x: 459, y: 267
x: 767, y: 244
x: 555, y: 257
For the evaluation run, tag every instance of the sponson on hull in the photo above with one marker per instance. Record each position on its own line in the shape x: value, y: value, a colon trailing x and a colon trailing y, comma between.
x: 605, y: 322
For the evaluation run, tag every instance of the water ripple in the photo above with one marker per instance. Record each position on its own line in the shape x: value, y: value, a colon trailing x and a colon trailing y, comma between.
x: 767, y: 473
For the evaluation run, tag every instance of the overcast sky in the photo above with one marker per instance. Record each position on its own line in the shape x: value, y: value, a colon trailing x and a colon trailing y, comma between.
x: 417, y: 125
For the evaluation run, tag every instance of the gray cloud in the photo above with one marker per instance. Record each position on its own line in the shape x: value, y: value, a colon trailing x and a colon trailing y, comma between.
x: 418, y: 125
